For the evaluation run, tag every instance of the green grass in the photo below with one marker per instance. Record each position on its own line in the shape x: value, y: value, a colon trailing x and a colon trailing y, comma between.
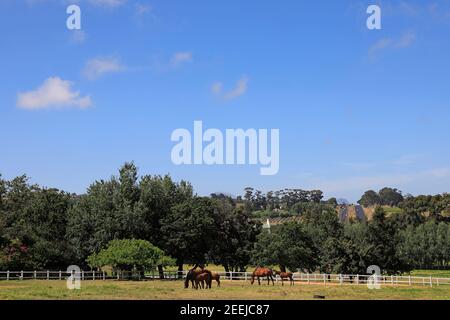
x: 171, y: 290
x: 431, y: 273
x: 391, y: 210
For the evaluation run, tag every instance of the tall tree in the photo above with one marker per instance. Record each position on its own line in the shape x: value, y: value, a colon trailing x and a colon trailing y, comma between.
x: 370, y: 198
x: 290, y: 247
x: 390, y: 197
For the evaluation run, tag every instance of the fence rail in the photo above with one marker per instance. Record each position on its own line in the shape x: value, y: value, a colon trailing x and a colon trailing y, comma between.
x: 306, y: 278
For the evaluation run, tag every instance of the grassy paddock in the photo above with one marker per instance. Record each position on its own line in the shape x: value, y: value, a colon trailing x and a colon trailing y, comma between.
x: 431, y: 273
x: 171, y: 290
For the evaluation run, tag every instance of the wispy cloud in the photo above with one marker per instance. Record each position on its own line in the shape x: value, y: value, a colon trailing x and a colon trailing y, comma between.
x: 142, y: 9
x: 53, y: 93
x: 108, y: 3
x: 405, y: 41
x: 239, y: 90
x: 97, y: 67
x: 181, y: 58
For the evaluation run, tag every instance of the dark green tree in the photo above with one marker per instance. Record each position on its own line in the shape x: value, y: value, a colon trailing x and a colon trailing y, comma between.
x: 370, y: 198
x: 290, y: 247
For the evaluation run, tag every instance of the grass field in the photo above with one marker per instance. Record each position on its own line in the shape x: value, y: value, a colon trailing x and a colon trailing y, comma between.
x: 171, y: 290
x: 431, y: 273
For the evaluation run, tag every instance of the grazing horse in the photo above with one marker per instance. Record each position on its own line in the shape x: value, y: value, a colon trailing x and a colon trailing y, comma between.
x: 216, y: 276
x: 285, y: 275
x: 261, y: 273
x: 198, y: 276
x: 201, y: 279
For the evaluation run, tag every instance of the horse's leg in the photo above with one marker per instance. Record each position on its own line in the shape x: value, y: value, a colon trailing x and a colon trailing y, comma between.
x: 259, y: 281
x: 282, y: 281
x: 273, y: 283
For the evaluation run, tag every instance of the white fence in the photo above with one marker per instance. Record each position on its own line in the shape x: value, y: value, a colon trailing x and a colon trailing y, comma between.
x: 304, y: 278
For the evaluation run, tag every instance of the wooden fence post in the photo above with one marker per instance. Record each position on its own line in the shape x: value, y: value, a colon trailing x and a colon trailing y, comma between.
x: 60, y: 275
x: 93, y: 274
x: 35, y: 274
x: 48, y: 275
x: 7, y: 275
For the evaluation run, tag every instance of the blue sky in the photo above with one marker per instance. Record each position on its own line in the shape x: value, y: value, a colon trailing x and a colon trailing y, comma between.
x: 357, y: 109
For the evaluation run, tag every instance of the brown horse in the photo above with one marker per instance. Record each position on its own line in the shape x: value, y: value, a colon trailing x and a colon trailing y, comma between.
x: 261, y: 273
x: 285, y: 275
x: 216, y: 276
x: 201, y: 279
x: 192, y: 276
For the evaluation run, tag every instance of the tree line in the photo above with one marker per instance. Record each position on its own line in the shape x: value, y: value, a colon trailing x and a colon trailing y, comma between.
x: 42, y: 228
x: 165, y: 221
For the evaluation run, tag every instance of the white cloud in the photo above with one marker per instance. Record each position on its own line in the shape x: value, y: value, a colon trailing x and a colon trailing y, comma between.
x: 97, y: 67
x: 405, y: 41
x: 180, y: 58
x: 239, y: 90
x: 53, y: 93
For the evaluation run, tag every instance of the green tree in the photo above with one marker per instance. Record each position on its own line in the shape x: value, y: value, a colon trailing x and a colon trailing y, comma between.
x: 385, y: 242
x: 235, y: 234
x: 130, y: 255
x: 390, y: 197
x: 124, y: 207
x: 370, y: 198
x: 290, y: 247
x: 188, y: 231
x: 34, y: 219
x: 427, y: 245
